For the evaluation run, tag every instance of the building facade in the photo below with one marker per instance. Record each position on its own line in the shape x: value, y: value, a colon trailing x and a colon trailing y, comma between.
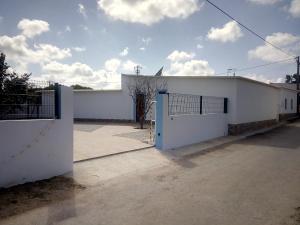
x: 251, y: 104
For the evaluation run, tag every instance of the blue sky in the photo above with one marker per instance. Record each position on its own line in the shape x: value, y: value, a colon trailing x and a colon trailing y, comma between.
x: 94, y: 41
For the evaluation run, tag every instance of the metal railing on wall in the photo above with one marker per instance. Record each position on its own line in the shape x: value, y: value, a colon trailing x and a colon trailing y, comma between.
x: 29, y: 100
x: 186, y: 104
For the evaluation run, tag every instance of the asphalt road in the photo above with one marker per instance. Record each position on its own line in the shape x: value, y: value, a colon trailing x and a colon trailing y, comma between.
x: 255, y: 181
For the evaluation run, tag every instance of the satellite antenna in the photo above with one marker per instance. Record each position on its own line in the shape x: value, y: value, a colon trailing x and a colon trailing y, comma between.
x: 228, y: 71
x: 137, y: 69
x: 232, y: 70
x: 159, y: 73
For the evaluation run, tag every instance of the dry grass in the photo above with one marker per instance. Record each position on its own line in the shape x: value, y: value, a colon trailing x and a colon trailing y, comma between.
x: 22, y: 198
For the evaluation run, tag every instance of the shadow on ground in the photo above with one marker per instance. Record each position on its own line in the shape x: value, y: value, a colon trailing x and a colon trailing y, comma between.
x: 22, y: 198
x: 276, y: 137
x: 295, y: 218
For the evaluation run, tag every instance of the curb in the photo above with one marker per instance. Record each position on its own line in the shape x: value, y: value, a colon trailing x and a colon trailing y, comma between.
x: 112, y: 154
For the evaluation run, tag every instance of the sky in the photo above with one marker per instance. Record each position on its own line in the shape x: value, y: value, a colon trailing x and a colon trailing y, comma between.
x: 91, y: 42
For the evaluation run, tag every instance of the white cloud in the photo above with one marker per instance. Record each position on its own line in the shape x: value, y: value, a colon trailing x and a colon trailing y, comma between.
x: 82, y: 10
x: 199, y: 46
x: 80, y: 73
x: 20, y: 54
x: 85, y: 28
x: 31, y: 28
x: 112, y: 65
x: 68, y: 28
x: 190, y: 68
x: 264, y: 78
x: 124, y: 52
x: 148, y: 11
x: 230, y: 32
x: 261, y: 78
x: 294, y: 8
x: 47, y: 52
x: 128, y: 66
x: 147, y: 40
x: 183, y: 64
x: 199, y: 38
x: 177, y: 56
x: 77, y: 69
x: 79, y: 49
x: 286, y: 41
x: 265, y: 2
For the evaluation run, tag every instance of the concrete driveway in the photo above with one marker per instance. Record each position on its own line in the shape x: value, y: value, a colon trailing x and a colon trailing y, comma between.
x: 93, y: 140
x: 250, y: 182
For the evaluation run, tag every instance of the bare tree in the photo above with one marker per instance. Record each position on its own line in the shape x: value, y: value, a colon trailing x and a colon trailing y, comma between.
x: 291, y: 79
x: 143, y: 90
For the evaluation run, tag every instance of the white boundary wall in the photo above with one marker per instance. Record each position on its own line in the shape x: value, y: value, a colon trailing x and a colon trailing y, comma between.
x: 105, y: 104
x: 32, y: 150
x: 181, y: 130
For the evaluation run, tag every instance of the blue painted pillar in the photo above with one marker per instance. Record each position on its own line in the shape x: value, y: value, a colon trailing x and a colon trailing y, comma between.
x: 57, y: 101
x: 159, y: 120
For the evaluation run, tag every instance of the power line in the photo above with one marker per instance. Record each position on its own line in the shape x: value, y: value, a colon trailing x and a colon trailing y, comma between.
x: 257, y: 66
x: 217, y: 74
x: 248, y: 29
x: 263, y: 65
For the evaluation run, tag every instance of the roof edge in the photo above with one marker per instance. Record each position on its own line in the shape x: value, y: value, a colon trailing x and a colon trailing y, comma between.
x: 212, y: 77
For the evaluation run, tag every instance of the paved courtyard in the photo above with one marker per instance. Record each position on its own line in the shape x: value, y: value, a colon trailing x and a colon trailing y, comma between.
x: 93, y: 140
x: 253, y: 181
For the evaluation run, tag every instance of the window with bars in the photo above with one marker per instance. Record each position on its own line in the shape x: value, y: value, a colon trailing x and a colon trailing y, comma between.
x: 285, y: 104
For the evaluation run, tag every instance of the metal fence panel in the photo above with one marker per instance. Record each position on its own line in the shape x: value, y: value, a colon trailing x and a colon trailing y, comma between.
x: 212, y: 105
x: 186, y: 104
x: 181, y: 104
x: 27, y: 100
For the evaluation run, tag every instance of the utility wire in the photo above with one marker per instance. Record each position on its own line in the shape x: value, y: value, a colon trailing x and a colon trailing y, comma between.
x: 257, y: 66
x: 250, y: 30
x: 263, y: 65
x: 217, y: 74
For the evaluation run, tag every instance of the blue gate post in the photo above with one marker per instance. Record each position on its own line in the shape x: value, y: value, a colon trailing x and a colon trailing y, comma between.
x: 57, y: 100
x: 159, y: 120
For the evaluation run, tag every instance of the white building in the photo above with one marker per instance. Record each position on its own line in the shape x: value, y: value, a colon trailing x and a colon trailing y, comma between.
x: 249, y: 100
x: 250, y: 104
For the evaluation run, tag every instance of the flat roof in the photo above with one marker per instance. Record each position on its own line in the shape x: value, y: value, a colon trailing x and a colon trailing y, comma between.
x: 97, y: 90
x: 272, y: 85
x: 210, y: 77
x: 292, y: 87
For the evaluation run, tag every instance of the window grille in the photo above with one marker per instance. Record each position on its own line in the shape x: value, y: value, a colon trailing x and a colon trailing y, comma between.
x: 285, y: 104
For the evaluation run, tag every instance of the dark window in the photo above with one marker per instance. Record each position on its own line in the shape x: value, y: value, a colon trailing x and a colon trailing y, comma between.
x: 285, y: 104
x: 292, y: 104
